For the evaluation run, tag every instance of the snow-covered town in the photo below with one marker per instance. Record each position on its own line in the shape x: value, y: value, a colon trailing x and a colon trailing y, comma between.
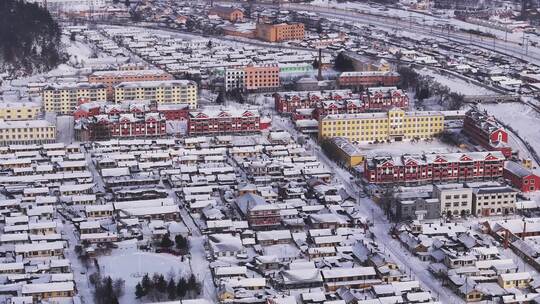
x: 277, y: 152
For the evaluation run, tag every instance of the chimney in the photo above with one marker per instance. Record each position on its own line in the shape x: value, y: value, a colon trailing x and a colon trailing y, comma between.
x: 319, y: 75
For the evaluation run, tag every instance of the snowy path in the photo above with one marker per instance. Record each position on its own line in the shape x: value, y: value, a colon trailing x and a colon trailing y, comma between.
x: 381, y: 228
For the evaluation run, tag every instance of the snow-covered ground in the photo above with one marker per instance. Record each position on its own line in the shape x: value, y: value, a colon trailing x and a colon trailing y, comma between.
x: 456, y: 85
x: 131, y: 265
x: 398, y: 148
x: 522, y: 118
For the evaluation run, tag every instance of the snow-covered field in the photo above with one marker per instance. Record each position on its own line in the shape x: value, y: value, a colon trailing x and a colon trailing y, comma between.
x: 131, y: 265
x: 455, y: 84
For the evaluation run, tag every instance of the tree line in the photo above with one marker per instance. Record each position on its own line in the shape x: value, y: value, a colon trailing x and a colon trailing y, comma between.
x: 158, y: 288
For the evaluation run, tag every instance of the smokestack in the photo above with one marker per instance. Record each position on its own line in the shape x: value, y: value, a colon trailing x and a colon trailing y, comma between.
x: 319, y: 74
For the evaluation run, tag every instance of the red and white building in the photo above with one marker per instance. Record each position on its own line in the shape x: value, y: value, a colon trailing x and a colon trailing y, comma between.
x: 288, y: 102
x: 384, y: 98
x: 486, y: 131
x: 216, y: 120
x: 432, y: 168
x: 520, y: 177
x: 126, y: 125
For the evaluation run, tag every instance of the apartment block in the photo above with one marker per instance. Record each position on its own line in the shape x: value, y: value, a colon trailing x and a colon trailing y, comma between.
x: 280, y: 32
x: 26, y: 132
x: 169, y: 91
x: 494, y: 200
x: 64, y: 98
x: 19, y: 110
x: 396, y: 125
x: 455, y: 199
x: 364, y: 79
x: 262, y: 78
x: 112, y: 78
x: 432, y: 168
x: 234, y: 79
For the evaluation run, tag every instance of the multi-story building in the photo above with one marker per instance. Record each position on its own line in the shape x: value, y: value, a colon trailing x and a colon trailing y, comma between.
x: 64, y: 98
x: 432, y: 168
x: 280, y: 32
x: 126, y: 125
x: 222, y: 121
x: 259, y: 213
x: 521, y: 177
x: 167, y: 91
x: 365, y: 79
x: 288, y: 102
x: 396, y: 125
x: 234, y: 79
x: 455, y: 199
x: 494, y: 200
x: 232, y: 14
x: 384, y: 98
x: 26, y: 132
x: 417, y: 209
x: 112, y: 78
x: 19, y: 110
x: 261, y: 78
x: 486, y: 131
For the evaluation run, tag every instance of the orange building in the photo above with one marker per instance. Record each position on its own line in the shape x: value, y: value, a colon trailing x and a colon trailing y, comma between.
x: 261, y: 78
x: 229, y: 13
x: 280, y: 32
x: 112, y: 78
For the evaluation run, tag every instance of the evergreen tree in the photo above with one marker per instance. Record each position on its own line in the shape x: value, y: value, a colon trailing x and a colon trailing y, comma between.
x: 147, y: 284
x: 139, y: 291
x: 181, y: 288
x: 161, y: 285
x: 171, y: 289
x: 166, y: 241
x: 343, y: 64
x: 219, y: 100
x: 127, y: 3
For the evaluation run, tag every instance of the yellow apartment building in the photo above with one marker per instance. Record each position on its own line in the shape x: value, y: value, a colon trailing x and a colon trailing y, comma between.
x: 64, y: 98
x: 19, y: 110
x: 168, y: 91
x: 26, y: 132
x: 395, y: 124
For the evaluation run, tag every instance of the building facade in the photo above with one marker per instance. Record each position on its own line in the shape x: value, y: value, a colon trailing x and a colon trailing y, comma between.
x: 234, y: 79
x: 64, y: 98
x: 261, y: 78
x: 365, y: 79
x: 169, y: 91
x: 486, y: 131
x: 455, y: 199
x: 126, y: 125
x: 19, y: 110
x: 396, y: 125
x: 494, y: 200
x: 520, y: 177
x: 432, y: 168
x: 112, y: 78
x: 280, y: 32
x: 26, y: 132
x: 228, y: 13
x: 223, y: 121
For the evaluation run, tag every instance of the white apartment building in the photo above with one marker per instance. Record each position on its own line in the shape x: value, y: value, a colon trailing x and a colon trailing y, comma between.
x: 234, y: 79
x: 494, y: 200
x: 455, y: 199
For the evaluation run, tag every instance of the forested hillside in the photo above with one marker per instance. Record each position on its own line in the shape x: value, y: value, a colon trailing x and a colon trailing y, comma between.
x: 29, y: 38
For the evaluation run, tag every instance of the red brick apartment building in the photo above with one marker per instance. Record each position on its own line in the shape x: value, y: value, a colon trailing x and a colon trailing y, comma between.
x: 365, y: 79
x: 432, y: 168
x: 112, y: 78
x: 486, y: 131
x: 288, y: 102
x: 127, y: 125
x: 520, y: 177
x: 223, y: 121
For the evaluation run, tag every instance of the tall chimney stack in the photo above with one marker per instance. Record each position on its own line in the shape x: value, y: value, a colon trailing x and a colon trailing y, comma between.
x: 319, y: 74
